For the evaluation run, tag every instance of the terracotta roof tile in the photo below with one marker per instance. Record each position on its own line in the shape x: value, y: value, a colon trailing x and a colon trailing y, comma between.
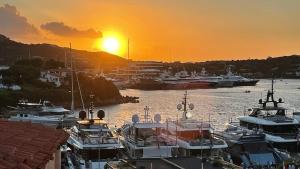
x: 26, y: 146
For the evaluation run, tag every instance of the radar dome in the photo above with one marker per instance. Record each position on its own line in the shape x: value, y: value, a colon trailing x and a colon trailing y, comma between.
x: 101, y: 114
x: 82, y: 115
x: 157, y: 118
x: 135, y: 118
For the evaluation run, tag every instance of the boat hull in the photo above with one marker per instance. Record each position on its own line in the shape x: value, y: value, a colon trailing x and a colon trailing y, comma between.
x: 149, y: 84
x: 246, y: 83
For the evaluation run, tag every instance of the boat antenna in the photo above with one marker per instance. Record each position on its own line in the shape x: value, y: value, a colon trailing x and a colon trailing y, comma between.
x: 146, y: 116
x: 185, y: 114
x: 91, y: 109
x: 273, y: 85
x: 72, y: 79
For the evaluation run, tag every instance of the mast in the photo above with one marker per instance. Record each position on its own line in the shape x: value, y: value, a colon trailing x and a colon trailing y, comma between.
x: 72, y: 80
x: 184, y: 105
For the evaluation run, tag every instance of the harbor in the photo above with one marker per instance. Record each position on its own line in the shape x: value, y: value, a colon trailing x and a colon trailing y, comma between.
x: 140, y: 84
x: 179, y: 128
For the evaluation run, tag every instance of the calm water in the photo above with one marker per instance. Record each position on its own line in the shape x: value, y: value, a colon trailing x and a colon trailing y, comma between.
x: 218, y: 104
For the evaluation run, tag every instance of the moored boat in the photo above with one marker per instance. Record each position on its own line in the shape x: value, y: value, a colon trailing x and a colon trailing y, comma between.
x: 194, y: 137
x: 92, y: 142
x: 143, y: 139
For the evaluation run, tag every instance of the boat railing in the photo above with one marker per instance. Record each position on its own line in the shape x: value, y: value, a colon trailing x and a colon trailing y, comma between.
x: 206, y: 142
x: 86, y: 139
x: 151, y: 141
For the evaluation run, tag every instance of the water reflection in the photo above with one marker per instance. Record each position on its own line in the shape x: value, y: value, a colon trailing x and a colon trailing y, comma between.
x: 222, y: 104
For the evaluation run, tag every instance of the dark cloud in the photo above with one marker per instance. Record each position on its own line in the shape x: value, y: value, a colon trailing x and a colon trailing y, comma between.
x: 13, y: 24
x: 59, y: 28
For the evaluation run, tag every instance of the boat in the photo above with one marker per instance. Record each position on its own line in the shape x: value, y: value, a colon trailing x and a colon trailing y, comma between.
x: 92, y: 142
x: 280, y: 127
x: 182, y: 80
x: 43, y: 112
x: 221, y: 81
x: 194, y: 137
x: 143, y: 139
x: 239, y: 80
x: 249, y: 148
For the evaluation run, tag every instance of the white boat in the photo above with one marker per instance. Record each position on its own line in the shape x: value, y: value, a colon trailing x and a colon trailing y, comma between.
x: 92, y: 142
x: 280, y: 128
x: 220, y: 80
x: 43, y: 112
x: 238, y: 80
x: 143, y: 139
x: 194, y: 137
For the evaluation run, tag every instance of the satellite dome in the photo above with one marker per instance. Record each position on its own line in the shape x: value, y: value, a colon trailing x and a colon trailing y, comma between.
x: 101, y: 114
x: 135, y: 118
x: 157, y: 118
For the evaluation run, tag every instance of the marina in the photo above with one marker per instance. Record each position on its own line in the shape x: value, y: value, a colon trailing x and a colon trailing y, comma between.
x: 243, y: 139
x: 139, y: 84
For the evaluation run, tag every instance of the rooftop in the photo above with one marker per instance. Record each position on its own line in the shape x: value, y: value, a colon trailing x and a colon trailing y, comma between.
x: 27, y: 145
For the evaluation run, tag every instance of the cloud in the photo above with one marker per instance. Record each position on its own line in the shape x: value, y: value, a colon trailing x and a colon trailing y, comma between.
x: 13, y: 24
x: 59, y: 28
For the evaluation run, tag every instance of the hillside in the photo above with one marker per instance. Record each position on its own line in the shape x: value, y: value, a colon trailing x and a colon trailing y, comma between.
x: 279, y: 67
x: 10, y: 51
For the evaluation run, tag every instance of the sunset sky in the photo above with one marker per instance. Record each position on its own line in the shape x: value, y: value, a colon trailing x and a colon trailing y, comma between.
x: 168, y: 30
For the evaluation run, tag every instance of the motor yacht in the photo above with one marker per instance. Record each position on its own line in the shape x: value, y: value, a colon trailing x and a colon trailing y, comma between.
x: 92, y: 142
x: 275, y: 121
x: 143, y: 139
x: 194, y: 137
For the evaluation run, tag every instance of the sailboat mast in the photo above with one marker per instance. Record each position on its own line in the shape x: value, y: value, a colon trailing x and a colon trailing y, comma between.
x: 72, y: 80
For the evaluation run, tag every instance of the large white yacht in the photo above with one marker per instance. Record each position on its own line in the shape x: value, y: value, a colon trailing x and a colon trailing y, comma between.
x: 43, y: 112
x: 280, y: 128
x: 143, y: 139
x: 92, y: 142
x: 238, y: 80
x: 220, y: 80
x: 194, y: 137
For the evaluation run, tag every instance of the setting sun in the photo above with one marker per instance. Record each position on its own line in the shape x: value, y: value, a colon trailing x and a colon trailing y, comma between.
x: 111, y: 42
x: 111, y: 45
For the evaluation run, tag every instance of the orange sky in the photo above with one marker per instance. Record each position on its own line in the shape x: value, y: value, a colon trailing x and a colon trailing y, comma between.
x: 170, y: 30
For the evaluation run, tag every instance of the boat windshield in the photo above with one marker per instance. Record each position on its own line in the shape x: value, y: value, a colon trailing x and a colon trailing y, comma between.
x: 281, y: 129
x: 144, y: 133
x: 268, y: 112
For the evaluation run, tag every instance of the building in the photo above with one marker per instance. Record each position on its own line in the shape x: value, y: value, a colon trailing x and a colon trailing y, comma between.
x: 30, y: 146
x: 56, y: 76
x: 138, y: 69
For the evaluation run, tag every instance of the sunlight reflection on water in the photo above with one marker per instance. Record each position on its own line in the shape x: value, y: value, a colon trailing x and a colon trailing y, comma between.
x: 221, y: 103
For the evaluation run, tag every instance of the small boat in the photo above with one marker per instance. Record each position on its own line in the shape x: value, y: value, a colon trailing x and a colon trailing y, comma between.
x: 143, y: 139
x: 92, y: 142
x: 249, y: 148
x: 194, y: 137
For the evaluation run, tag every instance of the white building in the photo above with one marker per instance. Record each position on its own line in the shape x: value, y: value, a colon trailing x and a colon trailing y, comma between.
x: 56, y: 76
x: 139, y: 69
